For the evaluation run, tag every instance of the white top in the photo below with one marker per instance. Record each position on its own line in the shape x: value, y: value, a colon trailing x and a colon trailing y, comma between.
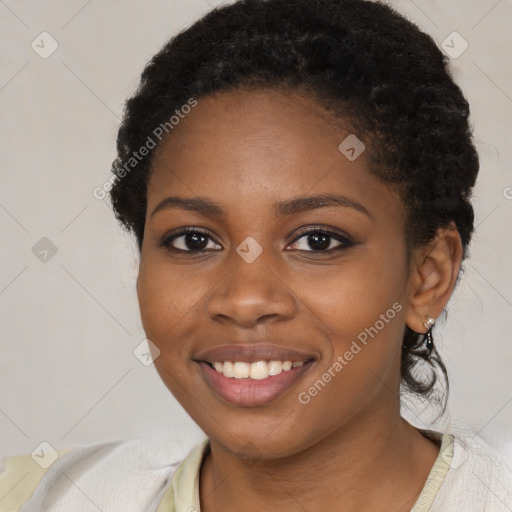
x: 152, y: 474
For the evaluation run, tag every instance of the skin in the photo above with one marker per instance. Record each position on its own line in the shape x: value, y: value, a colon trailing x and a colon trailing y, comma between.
x: 247, y: 151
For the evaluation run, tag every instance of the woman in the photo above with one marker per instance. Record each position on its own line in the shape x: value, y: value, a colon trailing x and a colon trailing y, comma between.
x: 297, y: 175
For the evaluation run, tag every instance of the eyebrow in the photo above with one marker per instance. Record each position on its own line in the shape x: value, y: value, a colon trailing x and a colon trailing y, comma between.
x: 292, y: 206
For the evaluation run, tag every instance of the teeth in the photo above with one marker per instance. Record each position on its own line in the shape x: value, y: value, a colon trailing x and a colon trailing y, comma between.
x: 241, y: 370
x: 227, y: 369
x: 258, y: 370
x: 275, y: 367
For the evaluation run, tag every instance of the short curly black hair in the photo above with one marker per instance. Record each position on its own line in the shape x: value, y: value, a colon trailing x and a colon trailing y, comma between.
x: 361, y: 60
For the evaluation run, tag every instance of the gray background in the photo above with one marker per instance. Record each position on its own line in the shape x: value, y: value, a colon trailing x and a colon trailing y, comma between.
x: 69, y: 320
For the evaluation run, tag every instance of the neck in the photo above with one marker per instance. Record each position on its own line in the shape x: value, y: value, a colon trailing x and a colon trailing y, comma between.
x: 377, y: 463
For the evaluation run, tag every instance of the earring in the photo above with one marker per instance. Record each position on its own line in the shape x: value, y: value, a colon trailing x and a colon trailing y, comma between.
x: 427, y: 338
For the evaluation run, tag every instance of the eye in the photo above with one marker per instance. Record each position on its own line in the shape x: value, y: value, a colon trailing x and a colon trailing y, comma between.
x: 317, y: 239
x: 189, y: 240
x: 321, y: 240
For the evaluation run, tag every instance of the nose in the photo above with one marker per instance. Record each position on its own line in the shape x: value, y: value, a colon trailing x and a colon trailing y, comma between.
x: 250, y: 294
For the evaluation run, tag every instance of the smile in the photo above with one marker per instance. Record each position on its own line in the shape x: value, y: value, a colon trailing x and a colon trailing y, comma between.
x: 258, y: 370
x: 253, y: 384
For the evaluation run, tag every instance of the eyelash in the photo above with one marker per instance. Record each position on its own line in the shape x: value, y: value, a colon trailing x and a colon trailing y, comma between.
x: 344, y: 240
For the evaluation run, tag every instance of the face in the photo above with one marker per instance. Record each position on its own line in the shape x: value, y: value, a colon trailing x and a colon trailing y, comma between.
x: 272, y: 274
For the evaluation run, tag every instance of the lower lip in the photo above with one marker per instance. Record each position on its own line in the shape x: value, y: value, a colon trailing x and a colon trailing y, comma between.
x: 252, y: 392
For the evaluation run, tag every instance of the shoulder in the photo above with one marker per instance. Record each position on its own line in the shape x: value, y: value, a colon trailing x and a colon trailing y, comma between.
x: 20, y: 475
x: 479, y: 477
x: 123, y: 475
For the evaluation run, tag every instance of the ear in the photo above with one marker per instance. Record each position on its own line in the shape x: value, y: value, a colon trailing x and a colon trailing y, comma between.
x: 433, y: 274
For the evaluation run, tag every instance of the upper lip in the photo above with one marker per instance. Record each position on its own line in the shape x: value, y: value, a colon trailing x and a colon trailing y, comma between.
x: 252, y: 353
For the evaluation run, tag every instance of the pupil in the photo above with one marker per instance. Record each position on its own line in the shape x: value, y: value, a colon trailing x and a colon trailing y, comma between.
x: 320, y: 240
x: 196, y: 239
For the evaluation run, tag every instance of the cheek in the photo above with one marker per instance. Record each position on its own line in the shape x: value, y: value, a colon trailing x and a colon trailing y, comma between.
x: 166, y: 296
x: 165, y: 301
x: 172, y: 308
x: 363, y: 305
x: 364, y: 311
x: 360, y: 295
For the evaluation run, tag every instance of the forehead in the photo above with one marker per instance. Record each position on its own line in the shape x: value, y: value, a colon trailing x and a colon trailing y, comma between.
x: 260, y: 147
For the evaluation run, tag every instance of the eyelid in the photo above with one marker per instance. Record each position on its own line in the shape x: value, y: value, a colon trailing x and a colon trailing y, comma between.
x: 334, y: 232
x: 342, y: 237
x: 182, y: 231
